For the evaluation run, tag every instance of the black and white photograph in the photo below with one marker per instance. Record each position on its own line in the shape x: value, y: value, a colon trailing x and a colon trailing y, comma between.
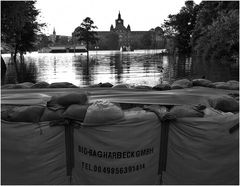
x: 119, y: 92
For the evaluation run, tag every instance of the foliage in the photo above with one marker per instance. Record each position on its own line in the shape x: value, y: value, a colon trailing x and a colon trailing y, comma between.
x: 85, y: 33
x: 43, y: 41
x: 216, y: 34
x: 180, y: 26
x: 210, y: 29
x: 19, y: 27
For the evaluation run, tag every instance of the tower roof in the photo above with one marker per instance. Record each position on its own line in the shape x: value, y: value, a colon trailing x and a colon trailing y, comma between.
x: 119, y: 15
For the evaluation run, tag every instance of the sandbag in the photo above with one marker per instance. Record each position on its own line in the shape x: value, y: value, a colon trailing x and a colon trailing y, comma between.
x: 126, y: 152
x: 201, y: 151
x: 202, y: 82
x: 26, y: 114
x: 51, y: 115
x: 181, y: 111
x: 211, y: 112
x: 94, y: 86
x: 6, y: 110
x: 106, y: 84
x: 14, y: 86
x: 162, y: 87
x: 224, y: 103
x: 103, y: 112
x: 76, y: 112
x: 32, y: 154
x: 182, y: 83
x: 221, y: 85
x: 143, y: 87
x: 69, y: 99
x: 233, y: 85
x: 41, y: 84
x: 62, y: 85
x: 27, y: 84
x: 124, y: 86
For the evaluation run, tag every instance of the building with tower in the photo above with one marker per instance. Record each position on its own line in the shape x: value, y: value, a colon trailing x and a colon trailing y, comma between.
x: 53, y: 36
x: 124, y: 34
x: 119, y: 37
x: 122, y: 37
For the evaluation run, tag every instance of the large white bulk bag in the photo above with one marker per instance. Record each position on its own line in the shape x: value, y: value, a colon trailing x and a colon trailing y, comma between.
x: 202, y: 151
x: 123, y: 152
x: 32, y: 154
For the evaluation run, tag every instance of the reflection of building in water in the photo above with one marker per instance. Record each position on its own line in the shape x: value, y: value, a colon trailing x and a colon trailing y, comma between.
x: 116, y: 66
x: 54, y: 65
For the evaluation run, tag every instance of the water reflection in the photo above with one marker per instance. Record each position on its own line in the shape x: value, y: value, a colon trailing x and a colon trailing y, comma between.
x: 27, y: 72
x: 147, y: 67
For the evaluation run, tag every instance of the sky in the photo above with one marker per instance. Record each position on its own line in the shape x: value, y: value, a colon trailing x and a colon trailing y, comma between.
x: 141, y: 15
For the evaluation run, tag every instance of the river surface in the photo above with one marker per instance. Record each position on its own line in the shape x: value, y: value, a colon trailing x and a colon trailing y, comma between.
x: 141, y: 67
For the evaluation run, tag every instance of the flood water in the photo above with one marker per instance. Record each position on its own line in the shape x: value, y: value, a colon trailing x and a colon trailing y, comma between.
x: 141, y: 67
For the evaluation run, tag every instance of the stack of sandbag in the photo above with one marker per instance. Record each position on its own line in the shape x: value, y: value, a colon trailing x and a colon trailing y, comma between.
x: 231, y: 85
x: 67, y: 106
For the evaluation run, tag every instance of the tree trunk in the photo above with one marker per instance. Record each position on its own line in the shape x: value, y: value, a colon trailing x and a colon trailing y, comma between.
x: 87, y: 59
x: 21, y: 70
x: 3, y: 70
x: 15, y: 63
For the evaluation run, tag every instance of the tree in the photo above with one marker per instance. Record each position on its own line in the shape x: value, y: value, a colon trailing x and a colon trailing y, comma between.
x: 19, y: 27
x: 216, y: 34
x: 180, y: 27
x: 84, y: 33
x: 43, y: 41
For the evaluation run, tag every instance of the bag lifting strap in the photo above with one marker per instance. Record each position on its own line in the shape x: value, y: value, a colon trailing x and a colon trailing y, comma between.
x: 163, y: 142
x: 69, y: 148
x: 69, y: 143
